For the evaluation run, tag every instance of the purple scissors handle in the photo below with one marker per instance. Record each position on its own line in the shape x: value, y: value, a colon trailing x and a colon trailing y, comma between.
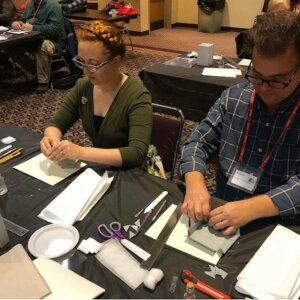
x: 113, y: 230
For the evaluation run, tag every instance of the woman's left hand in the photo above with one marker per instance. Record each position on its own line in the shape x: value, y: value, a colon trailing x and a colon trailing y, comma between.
x: 65, y: 150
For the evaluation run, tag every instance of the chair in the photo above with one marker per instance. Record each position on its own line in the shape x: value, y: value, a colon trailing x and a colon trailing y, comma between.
x: 168, y: 123
x: 125, y: 31
x: 64, y: 59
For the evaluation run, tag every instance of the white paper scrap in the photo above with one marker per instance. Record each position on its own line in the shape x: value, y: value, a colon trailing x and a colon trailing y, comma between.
x: 178, y: 238
x: 221, y: 72
x: 245, y: 62
x: 48, y: 171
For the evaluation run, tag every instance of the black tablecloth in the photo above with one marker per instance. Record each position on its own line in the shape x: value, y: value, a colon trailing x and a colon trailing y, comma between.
x: 31, y: 39
x: 185, y: 88
x: 129, y: 191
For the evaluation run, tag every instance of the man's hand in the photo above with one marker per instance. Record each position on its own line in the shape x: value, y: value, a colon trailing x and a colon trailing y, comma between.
x: 27, y: 27
x: 197, y: 199
x: 17, y: 25
x: 235, y: 214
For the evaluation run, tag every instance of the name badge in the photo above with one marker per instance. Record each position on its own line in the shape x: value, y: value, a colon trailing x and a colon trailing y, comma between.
x: 245, y: 178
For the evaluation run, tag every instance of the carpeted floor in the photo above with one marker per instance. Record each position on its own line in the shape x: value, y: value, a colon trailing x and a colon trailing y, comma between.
x: 178, y: 40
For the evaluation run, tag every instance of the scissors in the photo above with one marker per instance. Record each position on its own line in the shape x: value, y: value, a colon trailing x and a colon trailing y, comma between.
x: 112, y: 230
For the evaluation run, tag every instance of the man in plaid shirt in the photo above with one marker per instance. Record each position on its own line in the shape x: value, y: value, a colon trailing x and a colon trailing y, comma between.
x: 255, y: 129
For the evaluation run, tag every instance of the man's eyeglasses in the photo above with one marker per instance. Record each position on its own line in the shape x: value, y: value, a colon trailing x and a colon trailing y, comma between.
x: 271, y: 83
x: 89, y: 67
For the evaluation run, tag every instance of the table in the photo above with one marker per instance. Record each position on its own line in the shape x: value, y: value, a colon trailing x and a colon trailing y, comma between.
x: 94, y: 14
x: 31, y: 37
x: 185, y: 88
x: 130, y: 190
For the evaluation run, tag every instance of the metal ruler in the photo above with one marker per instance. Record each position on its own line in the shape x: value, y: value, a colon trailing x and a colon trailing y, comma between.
x: 14, y: 228
x: 162, y: 238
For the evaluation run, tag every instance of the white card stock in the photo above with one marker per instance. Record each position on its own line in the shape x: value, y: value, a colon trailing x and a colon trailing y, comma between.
x: 48, y: 171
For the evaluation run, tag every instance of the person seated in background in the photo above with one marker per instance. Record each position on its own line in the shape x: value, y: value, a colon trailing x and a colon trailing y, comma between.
x: 7, y: 15
x: 115, y: 109
x: 278, y: 5
x: 242, y: 38
x: 7, y: 12
x: 46, y: 17
x: 255, y: 129
x: 295, y: 5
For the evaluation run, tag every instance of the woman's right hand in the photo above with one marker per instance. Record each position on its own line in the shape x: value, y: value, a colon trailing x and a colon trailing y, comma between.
x: 47, y: 145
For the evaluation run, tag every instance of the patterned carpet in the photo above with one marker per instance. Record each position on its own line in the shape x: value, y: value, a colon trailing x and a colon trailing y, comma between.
x: 21, y: 106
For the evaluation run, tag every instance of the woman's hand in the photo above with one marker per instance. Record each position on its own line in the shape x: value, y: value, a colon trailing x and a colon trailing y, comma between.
x: 65, y: 150
x: 48, y: 145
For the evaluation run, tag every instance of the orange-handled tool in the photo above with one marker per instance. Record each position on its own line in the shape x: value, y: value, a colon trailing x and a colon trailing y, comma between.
x: 188, y: 276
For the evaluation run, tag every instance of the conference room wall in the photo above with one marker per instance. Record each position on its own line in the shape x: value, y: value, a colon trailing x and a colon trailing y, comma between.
x: 235, y: 15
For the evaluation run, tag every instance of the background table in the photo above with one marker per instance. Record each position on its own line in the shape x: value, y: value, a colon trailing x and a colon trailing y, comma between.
x: 129, y: 191
x: 185, y: 88
x: 32, y: 37
x: 94, y: 14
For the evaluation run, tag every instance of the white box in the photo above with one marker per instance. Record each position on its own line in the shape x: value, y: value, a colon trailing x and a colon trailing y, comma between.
x: 205, y: 54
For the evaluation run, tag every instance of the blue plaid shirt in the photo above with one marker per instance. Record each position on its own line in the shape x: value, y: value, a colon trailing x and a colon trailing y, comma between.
x: 222, y: 132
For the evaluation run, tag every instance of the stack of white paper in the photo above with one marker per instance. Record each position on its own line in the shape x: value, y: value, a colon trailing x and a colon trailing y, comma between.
x: 274, y: 270
x: 74, y: 203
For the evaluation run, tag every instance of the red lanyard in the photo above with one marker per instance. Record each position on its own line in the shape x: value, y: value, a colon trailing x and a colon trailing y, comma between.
x: 249, y: 118
x: 35, y: 13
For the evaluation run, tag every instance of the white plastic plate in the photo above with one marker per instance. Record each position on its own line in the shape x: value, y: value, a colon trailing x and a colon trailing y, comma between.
x: 53, y: 240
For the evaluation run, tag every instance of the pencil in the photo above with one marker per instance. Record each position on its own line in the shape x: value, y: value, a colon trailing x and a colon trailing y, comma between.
x: 10, y: 156
x: 7, y: 152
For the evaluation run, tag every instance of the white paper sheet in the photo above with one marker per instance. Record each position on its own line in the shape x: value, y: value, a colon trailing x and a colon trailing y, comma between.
x: 178, y: 238
x: 17, y: 31
x: 64, y: 283
x: 274, y: 270
x: 73, y: 203
x: 221, y: 72
x: 48, y: 171
x: 245, y: 62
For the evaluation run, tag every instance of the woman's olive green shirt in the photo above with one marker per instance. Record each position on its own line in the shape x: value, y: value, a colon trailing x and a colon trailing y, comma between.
x: 126, y: 126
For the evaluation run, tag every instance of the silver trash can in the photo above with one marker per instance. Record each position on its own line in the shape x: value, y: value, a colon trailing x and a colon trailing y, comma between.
x: 210, y: 15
